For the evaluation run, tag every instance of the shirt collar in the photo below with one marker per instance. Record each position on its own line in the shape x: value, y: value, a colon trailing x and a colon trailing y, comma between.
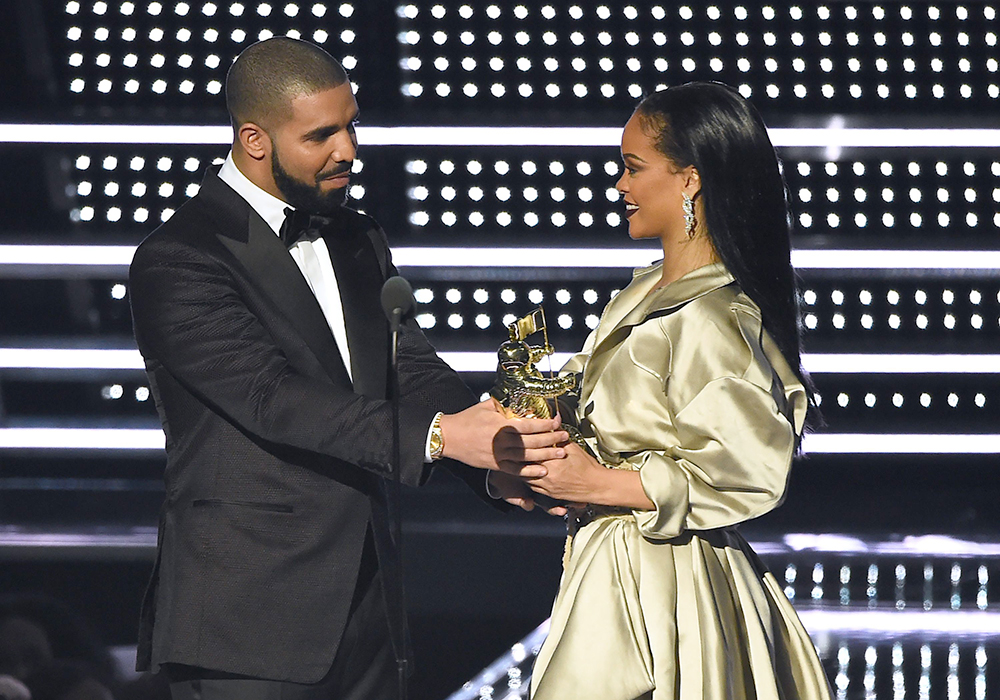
x: 270, y: 208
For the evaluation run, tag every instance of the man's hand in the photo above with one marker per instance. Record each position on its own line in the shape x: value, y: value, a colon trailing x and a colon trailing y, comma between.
x: 515, y: 491
x: 483, y: 438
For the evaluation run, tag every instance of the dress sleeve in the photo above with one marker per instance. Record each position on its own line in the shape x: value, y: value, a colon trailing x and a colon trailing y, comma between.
x: 731, y: 464
x: 735, y: 408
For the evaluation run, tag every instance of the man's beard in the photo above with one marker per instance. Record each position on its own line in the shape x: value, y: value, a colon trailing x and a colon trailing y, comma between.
x: 302, y: 195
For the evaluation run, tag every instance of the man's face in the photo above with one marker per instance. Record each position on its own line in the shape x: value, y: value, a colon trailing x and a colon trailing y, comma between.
x: 312, y: 152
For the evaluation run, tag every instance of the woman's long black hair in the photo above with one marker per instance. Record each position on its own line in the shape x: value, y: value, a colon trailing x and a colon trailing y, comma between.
x: 710, y: 126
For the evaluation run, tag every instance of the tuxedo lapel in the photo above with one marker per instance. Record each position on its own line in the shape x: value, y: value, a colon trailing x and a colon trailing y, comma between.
x: 359, y: 278
x: 271, y: 269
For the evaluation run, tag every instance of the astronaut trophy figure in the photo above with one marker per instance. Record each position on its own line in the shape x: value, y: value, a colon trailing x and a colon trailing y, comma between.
x: 520, y: 390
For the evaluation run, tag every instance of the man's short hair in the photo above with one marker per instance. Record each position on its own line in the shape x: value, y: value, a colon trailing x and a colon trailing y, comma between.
x: 268, y: 75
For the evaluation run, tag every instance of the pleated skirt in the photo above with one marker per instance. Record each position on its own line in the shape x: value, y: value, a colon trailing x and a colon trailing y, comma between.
x: 693, y: 618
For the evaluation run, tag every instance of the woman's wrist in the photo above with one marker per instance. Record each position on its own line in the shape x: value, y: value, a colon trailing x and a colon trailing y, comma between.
x: 621, y: 488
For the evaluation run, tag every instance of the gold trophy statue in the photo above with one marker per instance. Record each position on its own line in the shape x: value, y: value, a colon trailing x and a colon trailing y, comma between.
x: 520, y: 390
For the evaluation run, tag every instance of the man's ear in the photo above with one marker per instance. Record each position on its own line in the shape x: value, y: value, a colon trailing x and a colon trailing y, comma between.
x: 254, y: 141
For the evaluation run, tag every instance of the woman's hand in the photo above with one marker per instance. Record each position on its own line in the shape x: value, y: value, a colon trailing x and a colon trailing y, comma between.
x: 576, y: 478
x: 515, y: 491
x: 579, y: 478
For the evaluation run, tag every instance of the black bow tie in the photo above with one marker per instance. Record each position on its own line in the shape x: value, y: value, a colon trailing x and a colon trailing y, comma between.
x: 302, y: 226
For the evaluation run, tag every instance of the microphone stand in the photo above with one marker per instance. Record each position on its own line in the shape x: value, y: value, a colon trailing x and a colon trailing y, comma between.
x: 399, y: 641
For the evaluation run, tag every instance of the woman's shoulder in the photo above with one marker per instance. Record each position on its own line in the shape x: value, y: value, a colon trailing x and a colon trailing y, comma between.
x: 716, y: 335
x: 718, y: 316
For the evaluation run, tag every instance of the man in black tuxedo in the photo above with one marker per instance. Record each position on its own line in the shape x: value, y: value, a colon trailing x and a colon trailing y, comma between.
x: 256, y: 308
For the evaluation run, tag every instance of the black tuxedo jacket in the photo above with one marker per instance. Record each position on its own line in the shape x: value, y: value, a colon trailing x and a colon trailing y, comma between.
x: 275, y: 462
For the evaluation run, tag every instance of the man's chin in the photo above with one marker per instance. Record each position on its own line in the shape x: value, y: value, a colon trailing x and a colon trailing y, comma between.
x: 317, y: 201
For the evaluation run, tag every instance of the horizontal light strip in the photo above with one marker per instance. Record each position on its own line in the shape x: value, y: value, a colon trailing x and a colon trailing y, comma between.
x: 494, y: 136
x: 100, y: 439
x: 802, y: 542
x: 900, y: 364
x: 913, y: 545
x: 139, y: 538
x: 67, y: 255
x: 813, y: 362
x: 871, y: 443
x: 626, y: 258
x: 887, y: 622
x: 896, y: 259
x: 819, y: 363
x: 81, y: 439
x: 70, y: 358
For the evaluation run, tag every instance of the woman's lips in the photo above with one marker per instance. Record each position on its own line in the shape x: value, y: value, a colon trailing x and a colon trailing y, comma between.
x: 630, y: 209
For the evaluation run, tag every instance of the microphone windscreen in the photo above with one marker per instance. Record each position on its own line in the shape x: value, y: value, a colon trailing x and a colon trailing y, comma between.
x: 397, y: 294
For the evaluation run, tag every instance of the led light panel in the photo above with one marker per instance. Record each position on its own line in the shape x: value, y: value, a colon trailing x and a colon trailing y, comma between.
x: 176, y: 54
x: 853, y: 57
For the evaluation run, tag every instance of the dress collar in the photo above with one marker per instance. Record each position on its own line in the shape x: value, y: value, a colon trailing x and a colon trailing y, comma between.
x: 694, y: 284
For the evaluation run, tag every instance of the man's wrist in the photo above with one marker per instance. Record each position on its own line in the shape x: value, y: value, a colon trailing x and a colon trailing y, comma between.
x: 490, y: 492
x: 435, y: 448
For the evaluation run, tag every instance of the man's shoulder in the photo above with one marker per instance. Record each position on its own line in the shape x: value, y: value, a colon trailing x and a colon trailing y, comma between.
x: 190, y: 228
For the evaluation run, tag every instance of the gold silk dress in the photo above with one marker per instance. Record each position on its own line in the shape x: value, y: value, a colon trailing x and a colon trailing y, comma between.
x: 683, y: 385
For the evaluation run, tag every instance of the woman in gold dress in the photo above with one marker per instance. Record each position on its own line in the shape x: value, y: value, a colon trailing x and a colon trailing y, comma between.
x: 693, y: 401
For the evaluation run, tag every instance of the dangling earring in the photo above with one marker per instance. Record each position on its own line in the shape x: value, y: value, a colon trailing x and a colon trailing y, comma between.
x: 689, y: 222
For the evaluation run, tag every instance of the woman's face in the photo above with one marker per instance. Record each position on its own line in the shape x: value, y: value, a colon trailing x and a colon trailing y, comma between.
x: 652, y: 186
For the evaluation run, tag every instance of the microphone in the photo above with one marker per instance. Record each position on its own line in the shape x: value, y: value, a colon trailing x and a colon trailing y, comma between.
x: 397, y: 300
x: 397, y: 303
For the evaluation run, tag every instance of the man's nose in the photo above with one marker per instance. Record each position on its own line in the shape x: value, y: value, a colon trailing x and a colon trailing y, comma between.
x: 344, y: 147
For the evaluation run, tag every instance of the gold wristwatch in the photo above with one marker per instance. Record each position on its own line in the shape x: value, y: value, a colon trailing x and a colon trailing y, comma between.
x: 437, y: 438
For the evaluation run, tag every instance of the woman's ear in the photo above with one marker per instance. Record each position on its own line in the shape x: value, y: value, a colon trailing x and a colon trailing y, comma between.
x: 692, y: 181
x: 254, y: 140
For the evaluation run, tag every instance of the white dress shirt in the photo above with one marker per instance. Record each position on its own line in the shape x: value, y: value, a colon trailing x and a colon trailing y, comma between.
x: 312, y: 257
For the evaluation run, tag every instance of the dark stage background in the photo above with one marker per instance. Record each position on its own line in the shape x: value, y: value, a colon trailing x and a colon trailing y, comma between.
x: 884, y: 114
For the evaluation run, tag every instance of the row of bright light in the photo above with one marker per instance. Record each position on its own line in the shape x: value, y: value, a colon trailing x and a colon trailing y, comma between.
x: 611, y: 168
x: 634, y: 64
x: 898, y: 400
x: 115, y: 392
x: 413, y: 37
x: 476, y: 218
x: 152, y: 439
x: 522, y: 12
x: 185, y: 35
x: 888, y: 194
x: 208, y: 9
x: 636, y: 91
x: 900, y: 575
x: 453, y: 295
x: 54, y: 256
x: 831, y: 138
x: 684, y: 12
x: 505, y: 218
x: 552, y: 90
x: 486, y: 362
x: 838, y: 321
